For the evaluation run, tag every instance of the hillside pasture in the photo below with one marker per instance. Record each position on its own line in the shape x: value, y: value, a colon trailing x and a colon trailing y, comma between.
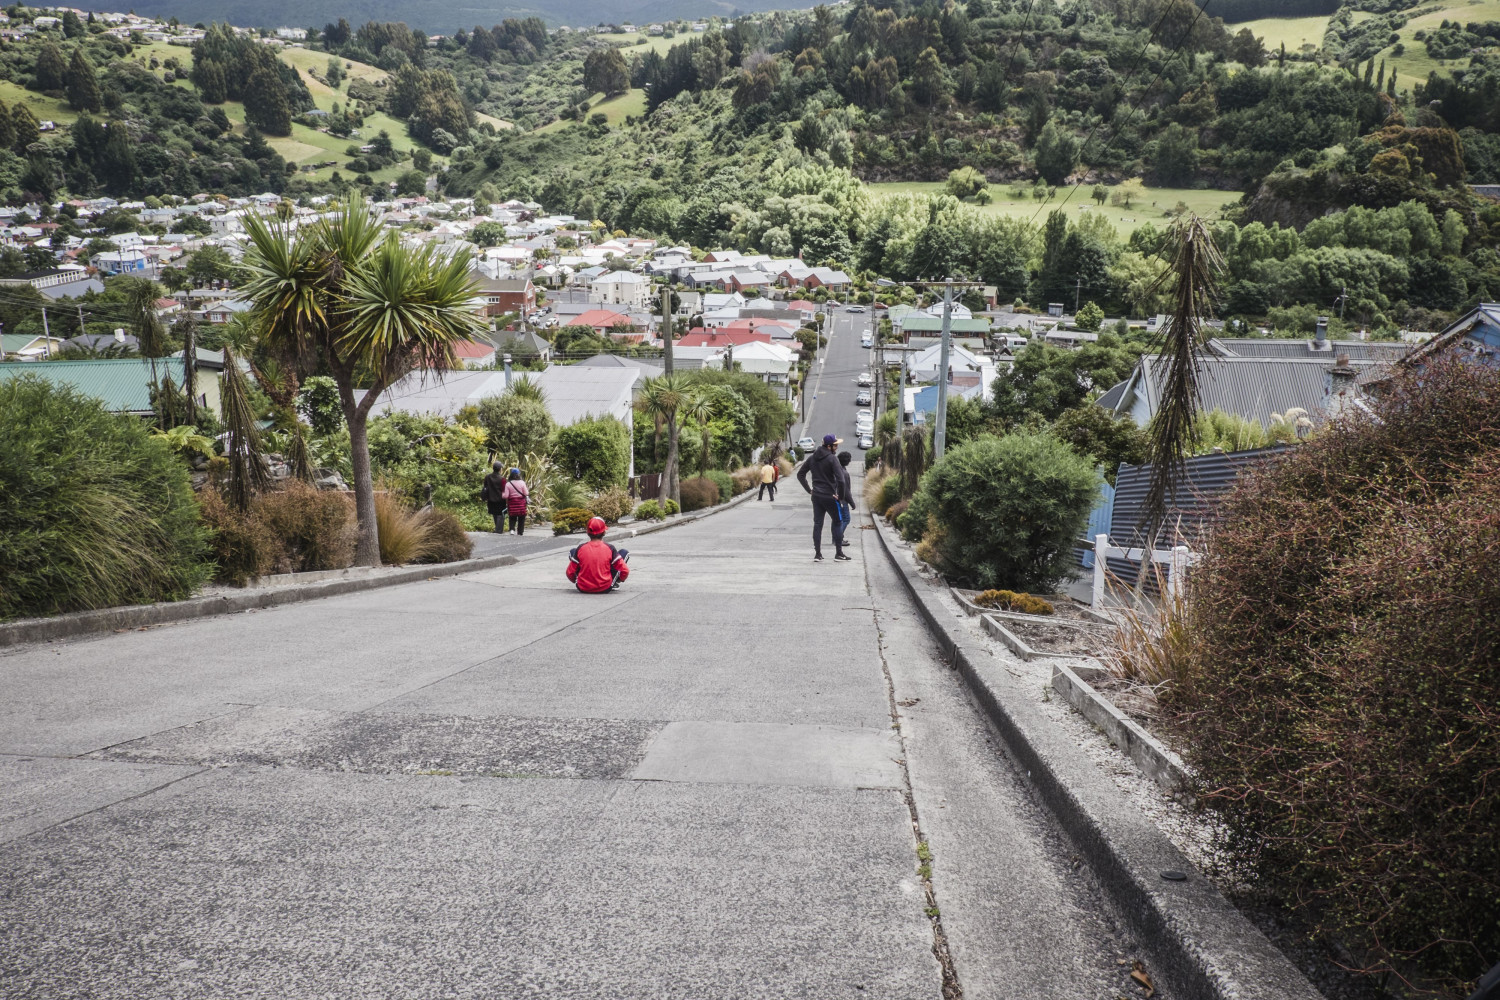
x: 1151, y: 206
x: 1293, y: 32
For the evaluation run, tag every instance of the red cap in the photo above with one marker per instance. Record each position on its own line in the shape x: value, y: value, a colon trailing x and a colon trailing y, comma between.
x: 597, y: 526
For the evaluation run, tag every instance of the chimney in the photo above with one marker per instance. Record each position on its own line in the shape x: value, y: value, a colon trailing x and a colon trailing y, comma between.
x: 119, y: 335
x: 1320, y: 335
x: 1342, y: 376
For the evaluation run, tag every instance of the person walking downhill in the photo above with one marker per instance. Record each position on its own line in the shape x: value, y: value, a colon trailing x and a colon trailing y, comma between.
x: 490, y: 493
x: 768, y: 476
x: 827, y: 489
x: 846, y: 508
x: 517, y: 497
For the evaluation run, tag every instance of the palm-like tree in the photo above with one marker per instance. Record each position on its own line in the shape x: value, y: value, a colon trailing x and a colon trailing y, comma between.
x: 701, y: 408
x: 666, y: 399
x: 339, y: 294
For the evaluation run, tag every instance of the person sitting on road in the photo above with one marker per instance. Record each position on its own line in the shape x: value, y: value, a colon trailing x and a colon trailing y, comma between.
x: 597, y: 567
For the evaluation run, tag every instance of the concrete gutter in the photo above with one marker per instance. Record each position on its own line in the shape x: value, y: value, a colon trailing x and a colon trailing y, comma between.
x: 329, y: 583
x: 1195, y: 940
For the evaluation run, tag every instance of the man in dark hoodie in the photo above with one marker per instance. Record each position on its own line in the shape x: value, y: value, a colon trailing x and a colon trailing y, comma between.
x: 827, y: 489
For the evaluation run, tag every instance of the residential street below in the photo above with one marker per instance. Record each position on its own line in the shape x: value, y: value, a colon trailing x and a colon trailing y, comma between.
x: 722, y: 781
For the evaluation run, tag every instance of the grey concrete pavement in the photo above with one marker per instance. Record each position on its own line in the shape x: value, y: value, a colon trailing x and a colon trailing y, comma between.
x: 493, y: 786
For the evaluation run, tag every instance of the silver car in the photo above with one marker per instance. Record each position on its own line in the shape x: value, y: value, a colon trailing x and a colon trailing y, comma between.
x: 866, y: 442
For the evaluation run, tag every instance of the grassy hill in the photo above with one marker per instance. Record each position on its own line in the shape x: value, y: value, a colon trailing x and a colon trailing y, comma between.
x: 1412, y: 66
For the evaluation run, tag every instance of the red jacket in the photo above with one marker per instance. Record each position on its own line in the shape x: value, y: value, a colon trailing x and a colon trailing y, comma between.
x: 595, y: 565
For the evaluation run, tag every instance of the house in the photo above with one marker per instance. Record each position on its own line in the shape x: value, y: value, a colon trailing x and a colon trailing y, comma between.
x: 1474, y: 337
x: 208, y: 369
x: 602, y: 321
x: 719, y: 339
x: 919, y: 323
x: 474, y: 353
x: 1255, y: 378
x: 46, y: 277
x: 621, y: 288
x: 744, y: 280
x: 506, y: 295
x: 771, y: 363
x: 522, y: 345
x: 225, y: 310
x: 923, y: 364
x: 131, y: 261
x: 27, y: 346
x: 572, y: 392
x: 123, y: 384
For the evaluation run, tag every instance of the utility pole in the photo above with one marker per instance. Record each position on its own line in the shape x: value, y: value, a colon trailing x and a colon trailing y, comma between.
x: 47, y: 333
x: 1077, y: 295
x: 901, y: 397
x: 666, y: 327
x: 1343, y: 300
x: 940, y: 431
x: 505, y: 359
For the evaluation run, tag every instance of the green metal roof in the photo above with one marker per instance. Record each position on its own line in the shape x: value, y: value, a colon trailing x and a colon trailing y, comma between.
x: 18, y: 341
x: 924, y: 324
x: 123, y: 384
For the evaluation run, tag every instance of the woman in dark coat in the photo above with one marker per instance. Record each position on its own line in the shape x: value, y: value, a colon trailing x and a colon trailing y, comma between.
x: 491, y: 494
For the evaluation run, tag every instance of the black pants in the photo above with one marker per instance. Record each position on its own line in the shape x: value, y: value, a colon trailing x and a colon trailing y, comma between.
x: 499, y: 523
x: 767, y: 486
x: 518, y: 523
x: 822, y: 506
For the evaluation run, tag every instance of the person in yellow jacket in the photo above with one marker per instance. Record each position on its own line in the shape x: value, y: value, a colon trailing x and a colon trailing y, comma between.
x: 769, y: 473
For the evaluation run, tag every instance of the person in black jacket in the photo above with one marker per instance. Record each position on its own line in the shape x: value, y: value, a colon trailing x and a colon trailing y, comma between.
x: 827, y: 489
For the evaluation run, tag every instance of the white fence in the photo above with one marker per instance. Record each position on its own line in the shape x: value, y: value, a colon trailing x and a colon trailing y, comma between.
x: 1177, y: 561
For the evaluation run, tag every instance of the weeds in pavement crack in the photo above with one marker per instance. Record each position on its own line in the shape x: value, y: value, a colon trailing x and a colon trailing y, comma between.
x: 952, y: 990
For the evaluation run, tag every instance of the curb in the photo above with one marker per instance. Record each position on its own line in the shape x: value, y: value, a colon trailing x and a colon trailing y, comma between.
x: 1200, y: 943
x: 79, y: 623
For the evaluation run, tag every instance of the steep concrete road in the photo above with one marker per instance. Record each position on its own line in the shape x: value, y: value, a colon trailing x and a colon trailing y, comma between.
x: 491, y: 786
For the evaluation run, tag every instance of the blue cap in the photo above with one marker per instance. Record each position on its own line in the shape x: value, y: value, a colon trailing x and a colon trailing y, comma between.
x: 515, y: 472
x: 830, y: 439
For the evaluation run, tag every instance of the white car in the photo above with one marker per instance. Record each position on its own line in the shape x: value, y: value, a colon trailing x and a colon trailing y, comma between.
x: 866, y: 442
x: 864, y: 422
x: 867, y: 341
x: 865, y: 378
x: 855, y: 309
x: 806, y: 444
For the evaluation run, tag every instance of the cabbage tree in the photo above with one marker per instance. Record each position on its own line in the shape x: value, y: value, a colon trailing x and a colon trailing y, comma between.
x: 345, y: 296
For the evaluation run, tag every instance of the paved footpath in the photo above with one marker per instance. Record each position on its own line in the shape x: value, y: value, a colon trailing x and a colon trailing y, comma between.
x: 490, y: 786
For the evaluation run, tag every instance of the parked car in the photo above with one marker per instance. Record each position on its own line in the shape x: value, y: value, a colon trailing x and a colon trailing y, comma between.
x: 864, y: 422
x: 866, y: 441
x: 806, y: 444
x: 865, y: 378
x: 867, y: 340
x: 863, y: 399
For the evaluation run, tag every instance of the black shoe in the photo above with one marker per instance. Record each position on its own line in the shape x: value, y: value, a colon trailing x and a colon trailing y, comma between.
x: 843, y: 558
x: 818, y: 557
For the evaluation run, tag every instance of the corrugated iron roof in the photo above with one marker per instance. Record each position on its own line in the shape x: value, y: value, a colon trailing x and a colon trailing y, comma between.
x: 1255, y: 388
x: 124, y: 384
x: 1274, y: 347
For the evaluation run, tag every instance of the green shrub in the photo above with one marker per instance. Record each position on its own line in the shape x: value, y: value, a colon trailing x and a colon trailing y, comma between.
x: 611, y: 504
x: 1011, y: 509
x: 723, y: 481
x: 894, y: 511
x: 697, y: 494
x: 649, y: 510
x: 446, y: 539
x: 1009, y: 600
x: 1341, y: 713
x: 890, y: 493
x: 570, y: 519
x: 595, y: 451
x: 93, y: 512
x: 516, y: 424
x: 669, y: 507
